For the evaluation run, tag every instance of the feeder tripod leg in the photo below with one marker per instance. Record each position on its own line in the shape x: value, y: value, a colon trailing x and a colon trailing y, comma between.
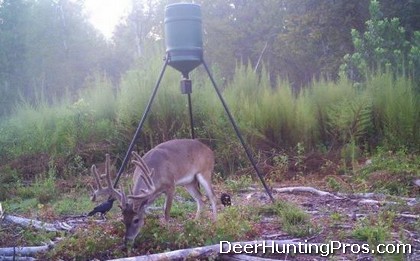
x: 191, y: 116
x: 235, y: 127
x: 140, y: 126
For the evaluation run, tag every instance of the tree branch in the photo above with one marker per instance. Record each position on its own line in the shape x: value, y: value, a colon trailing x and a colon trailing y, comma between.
x: 305, y: 189
x: 15, y: 252
x: 26, y: 222
x: 215, y: 250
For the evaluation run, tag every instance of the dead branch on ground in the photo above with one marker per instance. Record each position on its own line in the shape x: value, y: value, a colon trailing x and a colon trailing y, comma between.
x: 23, y: 253
x: 26, y: 222
x: 222, y: 250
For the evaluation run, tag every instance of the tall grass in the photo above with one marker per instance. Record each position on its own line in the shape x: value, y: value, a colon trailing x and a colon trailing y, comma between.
x: 60, y: 127
x: 385, y: 112
x: 396, y: 111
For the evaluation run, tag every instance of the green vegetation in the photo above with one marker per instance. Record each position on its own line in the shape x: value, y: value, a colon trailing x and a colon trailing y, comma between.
x: 375, y: 229
x: 234, y: 223
x: 382, y: 45
x: 392, y: 172
x: 331, y: 115
x: 344, y: 116
x: 292, y: 219
x: 100, y: 240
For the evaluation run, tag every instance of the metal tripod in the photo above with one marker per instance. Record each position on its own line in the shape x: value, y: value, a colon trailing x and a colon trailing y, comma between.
x: 187, y: 90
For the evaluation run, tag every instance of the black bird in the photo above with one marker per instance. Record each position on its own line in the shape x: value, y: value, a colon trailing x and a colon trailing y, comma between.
x: 225, y: 198
x: 103, y: 208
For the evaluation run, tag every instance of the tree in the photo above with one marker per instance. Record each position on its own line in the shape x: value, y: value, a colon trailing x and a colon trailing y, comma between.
x: 298, y: 40
x: 47, y: 48
x: 12, y: 77
x: 383, y: 45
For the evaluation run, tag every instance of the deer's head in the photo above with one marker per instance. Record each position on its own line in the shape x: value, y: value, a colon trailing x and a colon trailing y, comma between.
x: 133, y: 205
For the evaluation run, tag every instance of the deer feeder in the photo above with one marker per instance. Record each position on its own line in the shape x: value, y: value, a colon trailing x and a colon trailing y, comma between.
x: 183, y: 37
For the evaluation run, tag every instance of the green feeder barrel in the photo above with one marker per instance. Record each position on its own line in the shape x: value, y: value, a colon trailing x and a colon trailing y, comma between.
x: 183, y: 36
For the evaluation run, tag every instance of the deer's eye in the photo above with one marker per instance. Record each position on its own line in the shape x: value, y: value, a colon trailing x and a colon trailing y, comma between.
x: 136, y: 221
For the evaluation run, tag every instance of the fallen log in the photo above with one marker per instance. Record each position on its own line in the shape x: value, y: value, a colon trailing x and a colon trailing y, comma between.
x: 409, y: 216
x: 26, y: 222
x: 368, y: 198
x: 244, y: 258
x: 222, y: 250
x: 305, y: 189
x: 17, y: 258
x: 23, y: 252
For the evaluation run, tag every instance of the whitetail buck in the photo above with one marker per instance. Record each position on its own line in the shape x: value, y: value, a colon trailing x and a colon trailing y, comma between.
x: 183, y: 162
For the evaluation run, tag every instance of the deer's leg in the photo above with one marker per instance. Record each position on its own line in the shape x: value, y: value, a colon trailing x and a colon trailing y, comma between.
x: 209, y: 191
x: 195, y: 193
x: 168, y: 201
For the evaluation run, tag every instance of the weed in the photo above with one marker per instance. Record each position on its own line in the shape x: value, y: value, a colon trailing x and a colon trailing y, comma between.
x: 18, y: 205
x: 374, y: 235
x: 239, y: 183
x: 374, y: 230
x: 72, y: 204
x: 350, y: 152
x: 181, y: 210
x: 75, y: 167
x: 233, y: 223
x: 281, y: 161
x: 300, y: 157
x: 101, y: 240
x: 8, y: 180
x: 391, y: 172
x: 333, y: 183
x: 292, y: 219
x: 336, y: 217
x: 44, y: 189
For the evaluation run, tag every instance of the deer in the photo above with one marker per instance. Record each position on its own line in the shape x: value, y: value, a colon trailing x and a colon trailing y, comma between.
x: 180, y: 162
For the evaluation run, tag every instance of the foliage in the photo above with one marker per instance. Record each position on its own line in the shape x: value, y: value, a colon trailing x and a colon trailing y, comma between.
x: 18, y: 236
x: 71, y: 204
x: 373, y: 234
x: 59, y: 128
x: 8, y: 177
x: 239, y: 183
x: 392, y: 172
x: 382, y: 46
x: 291, y: 218
x: 98, y: 239
x: 233, y: 223
x: 331, y: 115
x: 396, y: 111
x: 374, y: 230
x: 47, y: 47
x: 50, y: 48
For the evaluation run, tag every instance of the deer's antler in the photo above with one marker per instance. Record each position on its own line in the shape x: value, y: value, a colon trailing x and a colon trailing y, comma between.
x: 146, y: 176
x: 109, y: 190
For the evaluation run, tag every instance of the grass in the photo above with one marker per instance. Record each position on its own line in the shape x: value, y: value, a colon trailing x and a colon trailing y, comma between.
x: 375, y: 229
x: 96, y: 240
x: 239, y: 183
x: 332, y: 115
x: 392, y: 172
x: 291, y: 219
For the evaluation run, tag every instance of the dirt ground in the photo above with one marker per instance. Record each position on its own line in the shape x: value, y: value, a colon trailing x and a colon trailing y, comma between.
x: 321, y: 210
